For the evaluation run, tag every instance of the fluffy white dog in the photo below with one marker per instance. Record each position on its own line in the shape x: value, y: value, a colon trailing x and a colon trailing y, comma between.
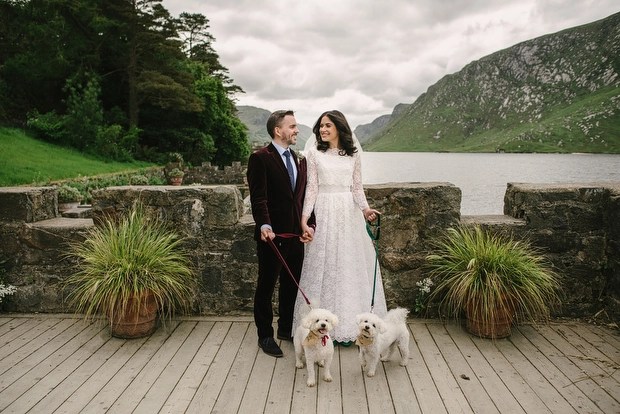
x: 378, y: 338
x: 312, y: 340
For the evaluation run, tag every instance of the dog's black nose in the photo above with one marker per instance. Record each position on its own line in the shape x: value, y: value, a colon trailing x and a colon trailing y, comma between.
x: 367, y: 327
x: 322, y: 325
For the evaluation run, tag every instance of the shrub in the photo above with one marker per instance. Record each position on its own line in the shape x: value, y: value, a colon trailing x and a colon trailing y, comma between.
x: 68, y: 194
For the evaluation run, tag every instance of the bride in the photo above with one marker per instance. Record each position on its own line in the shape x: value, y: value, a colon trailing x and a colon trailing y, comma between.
x: 339, y: 263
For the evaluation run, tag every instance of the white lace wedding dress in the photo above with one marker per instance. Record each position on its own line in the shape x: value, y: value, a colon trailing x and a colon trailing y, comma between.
x: 339, y: 264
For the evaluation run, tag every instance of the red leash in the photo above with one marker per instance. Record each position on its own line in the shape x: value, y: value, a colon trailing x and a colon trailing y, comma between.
x: 277, y: 252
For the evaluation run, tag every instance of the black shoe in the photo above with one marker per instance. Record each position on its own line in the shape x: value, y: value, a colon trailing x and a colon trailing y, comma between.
x: 269, y: 346
x: 285, y: 337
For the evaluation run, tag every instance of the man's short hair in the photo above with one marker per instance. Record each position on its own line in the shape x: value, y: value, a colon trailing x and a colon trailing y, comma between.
x: 275, y: 119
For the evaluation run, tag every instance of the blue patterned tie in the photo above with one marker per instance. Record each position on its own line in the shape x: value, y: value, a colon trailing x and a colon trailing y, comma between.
x: 289, y: 167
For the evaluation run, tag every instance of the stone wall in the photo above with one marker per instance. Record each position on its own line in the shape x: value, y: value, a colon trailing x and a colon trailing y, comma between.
x: 576, y: 225
x: 212, y: 174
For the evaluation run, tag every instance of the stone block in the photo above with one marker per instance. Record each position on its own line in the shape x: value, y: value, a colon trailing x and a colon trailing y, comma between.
x: 28, y: 204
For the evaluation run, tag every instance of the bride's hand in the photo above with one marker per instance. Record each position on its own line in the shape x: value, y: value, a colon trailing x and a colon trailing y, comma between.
x: 370, y: 214
x: 307, y: 233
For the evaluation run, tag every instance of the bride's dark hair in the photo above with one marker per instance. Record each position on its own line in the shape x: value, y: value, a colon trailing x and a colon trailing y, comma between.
x: 345, y: 135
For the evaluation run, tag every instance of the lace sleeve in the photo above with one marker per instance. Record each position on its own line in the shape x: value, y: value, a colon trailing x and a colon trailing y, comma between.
x: 312, y: 185
x: 358, y: 189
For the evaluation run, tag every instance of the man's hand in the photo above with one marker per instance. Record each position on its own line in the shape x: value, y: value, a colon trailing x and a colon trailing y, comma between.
x: 266, y: 234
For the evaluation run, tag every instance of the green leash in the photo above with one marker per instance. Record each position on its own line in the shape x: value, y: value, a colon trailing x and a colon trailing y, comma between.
x: 374, y: 236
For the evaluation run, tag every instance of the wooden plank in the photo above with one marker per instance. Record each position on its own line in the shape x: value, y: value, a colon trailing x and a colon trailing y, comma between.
x: 593, y: 362
x: 259, y: 382
x: 329, y: 394
x: 18, y: 328
x: 378, y: 392
x: 80, y: 398
x: 453, y: 398
x: 400, y: 396
x: 528, y: 346
x: 63, y: 370
x: 541, y: 338
x: 239, y: 374
x: 4, y: 320
x: 23, y: 359
x: 304, y: 398
x: 167, y: 380
x: 208, y: 391
x: 482, y: 388
x: 29, y: 371
x: 142, y: 383
x: 606, y: 356
x: 12, y: 324
x: 611, y: 336
x: 184, y: 392
x: 20, y: 340
x: 283, y: 386
x: 78, y: 377
x: 426, y: 395
x: 525, y: 382
x: 105, y: 398
x: 353, y: 387
x: 64, y: 366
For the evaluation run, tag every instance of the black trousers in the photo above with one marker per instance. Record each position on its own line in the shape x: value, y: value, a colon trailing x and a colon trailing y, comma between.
x: 270, y: 272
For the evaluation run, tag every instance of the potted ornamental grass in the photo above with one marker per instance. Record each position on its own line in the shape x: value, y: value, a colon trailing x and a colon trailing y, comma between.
x: 493, y: 280
x: 132, y: 270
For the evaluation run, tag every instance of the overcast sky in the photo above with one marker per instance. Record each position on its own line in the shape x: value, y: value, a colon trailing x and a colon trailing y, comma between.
x: 364, y: 57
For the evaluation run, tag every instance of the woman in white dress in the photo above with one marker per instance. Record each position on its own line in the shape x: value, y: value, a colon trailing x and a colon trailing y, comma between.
x: 339, y: 263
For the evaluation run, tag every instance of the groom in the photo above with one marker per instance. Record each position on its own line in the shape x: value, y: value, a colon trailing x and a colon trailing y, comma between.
x: 277, y: 183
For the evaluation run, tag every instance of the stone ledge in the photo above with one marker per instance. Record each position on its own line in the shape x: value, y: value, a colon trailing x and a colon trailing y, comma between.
x: 493, y: 220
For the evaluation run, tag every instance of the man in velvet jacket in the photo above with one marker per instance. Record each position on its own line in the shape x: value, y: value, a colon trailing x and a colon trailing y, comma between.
x: 276, y: 208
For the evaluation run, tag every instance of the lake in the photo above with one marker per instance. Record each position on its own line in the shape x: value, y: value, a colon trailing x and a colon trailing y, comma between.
x: 483, y: 177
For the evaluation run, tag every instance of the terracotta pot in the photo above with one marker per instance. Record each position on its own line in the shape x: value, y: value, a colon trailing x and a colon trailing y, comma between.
x: 67, y: 206
x: 131, y: 324
x: 500, y: 327
x: 176, y: 180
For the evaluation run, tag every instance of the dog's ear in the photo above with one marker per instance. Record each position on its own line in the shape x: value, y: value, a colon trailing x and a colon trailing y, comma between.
x: 306, y: 322
x: 381, y: 326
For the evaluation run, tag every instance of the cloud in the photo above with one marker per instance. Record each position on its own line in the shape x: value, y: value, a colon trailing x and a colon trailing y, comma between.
x: 365, y: 56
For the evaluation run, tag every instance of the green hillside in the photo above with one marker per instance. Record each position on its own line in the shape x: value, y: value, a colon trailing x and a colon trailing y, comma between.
x: 556, y: 93
x: 25, y: 160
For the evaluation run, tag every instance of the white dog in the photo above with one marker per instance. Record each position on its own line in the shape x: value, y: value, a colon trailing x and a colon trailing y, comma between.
x: 312, y: 340
x: 378, y: 338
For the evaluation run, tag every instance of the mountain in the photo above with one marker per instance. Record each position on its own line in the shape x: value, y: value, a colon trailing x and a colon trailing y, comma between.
x: 555, y: 93
x: 365, y: 132
x: 256, y: 121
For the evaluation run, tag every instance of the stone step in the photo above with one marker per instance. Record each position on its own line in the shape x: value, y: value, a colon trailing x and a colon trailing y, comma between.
x: 81, y: 211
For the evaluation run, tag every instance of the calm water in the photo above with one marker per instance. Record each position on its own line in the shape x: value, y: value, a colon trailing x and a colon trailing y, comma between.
x: 482, y: 178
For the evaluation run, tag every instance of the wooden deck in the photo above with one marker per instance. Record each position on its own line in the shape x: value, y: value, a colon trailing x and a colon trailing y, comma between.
x: 59, y: 364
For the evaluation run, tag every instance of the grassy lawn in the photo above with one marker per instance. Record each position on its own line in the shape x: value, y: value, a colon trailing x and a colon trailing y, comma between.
x: 27, y: 161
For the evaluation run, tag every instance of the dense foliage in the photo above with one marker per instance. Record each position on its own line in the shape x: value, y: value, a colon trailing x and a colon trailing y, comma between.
x: 118, y: 79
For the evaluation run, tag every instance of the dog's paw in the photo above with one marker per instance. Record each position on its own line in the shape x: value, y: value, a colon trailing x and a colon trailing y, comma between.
x: 385, y: 358
x: 299, y: 365
x: 327, y: 378
x: 321, y: 363
x: 403, y: 363
x: 310, y: 382
x: 370, y: 373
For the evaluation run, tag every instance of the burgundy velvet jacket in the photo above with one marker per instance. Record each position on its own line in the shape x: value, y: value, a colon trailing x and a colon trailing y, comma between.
x: 273, y: 200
